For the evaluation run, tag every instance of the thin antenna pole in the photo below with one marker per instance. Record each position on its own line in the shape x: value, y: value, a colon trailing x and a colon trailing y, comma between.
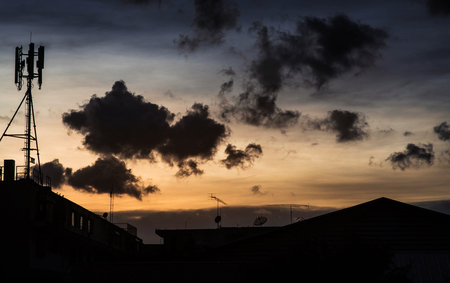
x: 41, y: 179
x: 111, y: 205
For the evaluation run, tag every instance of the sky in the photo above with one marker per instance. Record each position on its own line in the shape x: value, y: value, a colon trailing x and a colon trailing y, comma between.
x: 261, y: 104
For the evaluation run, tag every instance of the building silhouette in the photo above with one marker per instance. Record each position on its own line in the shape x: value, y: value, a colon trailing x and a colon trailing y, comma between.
x: 48, y: 236
x: 45, y: 233
x: 378, y: 241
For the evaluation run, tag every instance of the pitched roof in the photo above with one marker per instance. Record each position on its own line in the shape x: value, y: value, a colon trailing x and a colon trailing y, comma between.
x: 401, y: 226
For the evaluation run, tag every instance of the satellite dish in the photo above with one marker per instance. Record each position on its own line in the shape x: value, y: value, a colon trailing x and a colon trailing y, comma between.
x: 260, y: 221
x: 217, y: 219
x: 105, y: 215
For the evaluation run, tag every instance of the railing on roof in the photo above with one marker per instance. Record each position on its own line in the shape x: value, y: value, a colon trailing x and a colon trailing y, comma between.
x: 37, y: 177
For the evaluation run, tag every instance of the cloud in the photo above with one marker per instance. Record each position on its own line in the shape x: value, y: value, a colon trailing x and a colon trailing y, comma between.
x: 348, y: 126
x: 388, y: 131
x: 56, y: 171
x: 241, y: 158
x: 408, y: 133
x: 372, y: 163
x: 194, y: 135
x: 443, y: 131
x: 256, y: 190
x: 257, y: 109
x: 438, y: 8
x: 170, y: 94
x: 228, y: 72
x: 211, y: 19
x: 125, y: 125
x: 445, y: 157
x: 188, y: 168
x: 320, y: 50
x: 226, y: 87
x: 413, y: 157
x: 106, y: 174
x: 121, y: 123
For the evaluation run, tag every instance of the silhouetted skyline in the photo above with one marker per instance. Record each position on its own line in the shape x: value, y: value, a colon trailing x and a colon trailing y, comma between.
x: 258, y: 102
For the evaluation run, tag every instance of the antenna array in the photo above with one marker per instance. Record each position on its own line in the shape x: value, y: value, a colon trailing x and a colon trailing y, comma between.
x: 23, y: 60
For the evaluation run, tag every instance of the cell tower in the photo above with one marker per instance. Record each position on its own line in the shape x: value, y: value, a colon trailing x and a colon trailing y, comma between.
x: 22, y: 60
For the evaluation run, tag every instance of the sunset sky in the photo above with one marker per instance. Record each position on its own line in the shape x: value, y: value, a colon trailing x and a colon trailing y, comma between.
x: 262, y: 103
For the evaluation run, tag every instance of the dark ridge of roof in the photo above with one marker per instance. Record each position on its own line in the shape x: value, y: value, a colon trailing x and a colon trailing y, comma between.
x: 402, y: 226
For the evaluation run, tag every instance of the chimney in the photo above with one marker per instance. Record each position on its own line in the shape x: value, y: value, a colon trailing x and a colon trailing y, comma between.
x: 9, y: 166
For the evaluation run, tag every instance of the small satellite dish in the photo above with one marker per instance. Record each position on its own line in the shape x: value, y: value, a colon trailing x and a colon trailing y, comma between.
x: 217, y: 219
x: 105, y: 215
x: 260, y: 221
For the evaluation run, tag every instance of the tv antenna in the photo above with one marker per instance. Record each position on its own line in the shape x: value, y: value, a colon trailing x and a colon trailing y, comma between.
x: 218, y: 218
x: 22, y: 60
x: 291, y: 206
x: 111, y: 205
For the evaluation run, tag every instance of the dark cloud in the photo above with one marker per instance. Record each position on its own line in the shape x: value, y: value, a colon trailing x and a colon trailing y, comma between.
x: 348, y: 126
x: 241, y: 158
x: 256, y: 190
x: 257, y: 109
x: 443, y: 131
x: 211, y: 19
x: 438, y: 8
x: 195, y: 135
x: 125, y: 125
x: 188, y: 168
x: 319, y: 49
x: 407, y: 134
x: 56, y: 171
x: 226, y: 87
x: 106, y: 174
x: 228, y: 72
x: 388, y: 131
x: 121, y: 123
x: 413, y: 157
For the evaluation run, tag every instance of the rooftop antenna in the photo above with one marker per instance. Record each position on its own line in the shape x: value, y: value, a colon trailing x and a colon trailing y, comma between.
x: 296, y: 205
x: 218, y: 218
x: 291, y: 206
x: 111, y: 205
x: 22, y: 60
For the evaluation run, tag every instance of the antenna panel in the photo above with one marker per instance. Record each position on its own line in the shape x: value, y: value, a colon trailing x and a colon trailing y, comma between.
x: 40, y: 62
x: 30, y: 61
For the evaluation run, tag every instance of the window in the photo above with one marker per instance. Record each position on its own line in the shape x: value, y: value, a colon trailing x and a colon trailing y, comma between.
x: 89, y: 226
x: 73, y: 218
x: 81, y: 222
